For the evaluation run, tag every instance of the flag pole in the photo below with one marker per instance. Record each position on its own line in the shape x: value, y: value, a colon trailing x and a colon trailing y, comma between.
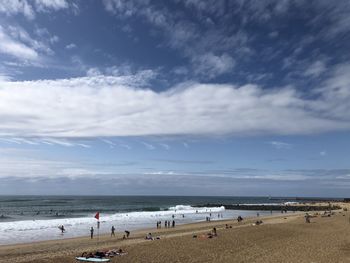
x: 97, y: 216
x: 98, y: 230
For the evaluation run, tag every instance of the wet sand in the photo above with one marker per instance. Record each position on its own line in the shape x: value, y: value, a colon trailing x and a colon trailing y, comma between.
x: 283, y: 238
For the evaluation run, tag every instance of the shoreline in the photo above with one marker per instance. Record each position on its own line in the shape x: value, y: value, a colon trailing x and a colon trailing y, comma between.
x: 136, y: 233
x: 148, y: 229
x: 262, y: 209
x: 278, y: 237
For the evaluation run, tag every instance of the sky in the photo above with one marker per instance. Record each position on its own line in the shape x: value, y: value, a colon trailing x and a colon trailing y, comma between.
x: 178, y: 97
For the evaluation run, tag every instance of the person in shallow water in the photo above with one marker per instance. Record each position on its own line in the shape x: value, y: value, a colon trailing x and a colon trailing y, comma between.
x: 91, y: 232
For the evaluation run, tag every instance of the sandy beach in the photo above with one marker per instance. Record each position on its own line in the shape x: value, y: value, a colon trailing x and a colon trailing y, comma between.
x: 281, y: 238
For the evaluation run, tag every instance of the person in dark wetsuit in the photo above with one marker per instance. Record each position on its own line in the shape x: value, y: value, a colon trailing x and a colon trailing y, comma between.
x: 91, y: 232
x: 112, y: 231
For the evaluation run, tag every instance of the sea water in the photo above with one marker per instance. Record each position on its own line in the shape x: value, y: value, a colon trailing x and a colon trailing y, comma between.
x: 33, y: 218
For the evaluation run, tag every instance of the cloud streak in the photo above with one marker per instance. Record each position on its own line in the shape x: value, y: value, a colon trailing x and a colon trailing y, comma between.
x: 120, y: 106
x: 29, y: 8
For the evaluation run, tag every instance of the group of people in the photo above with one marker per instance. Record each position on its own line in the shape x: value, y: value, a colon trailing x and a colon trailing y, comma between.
x: 167, y: 224
x: 126, y: 235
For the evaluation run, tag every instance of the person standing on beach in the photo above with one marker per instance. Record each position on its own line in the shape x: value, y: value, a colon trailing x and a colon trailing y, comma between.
x: 127, y: 233
x: 112, y: 231
x: 91, y: 232
x: 166, y: 224
x: 173, y: 223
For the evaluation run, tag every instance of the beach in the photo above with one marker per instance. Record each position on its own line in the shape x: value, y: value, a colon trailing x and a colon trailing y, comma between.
x: 280, y: 238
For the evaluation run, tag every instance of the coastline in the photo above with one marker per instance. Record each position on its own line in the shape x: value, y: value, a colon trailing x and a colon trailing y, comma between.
x: 68, y: 248
x: 281, y: 238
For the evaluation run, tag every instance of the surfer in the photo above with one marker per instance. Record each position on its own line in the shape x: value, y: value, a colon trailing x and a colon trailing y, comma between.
x: 92, y: 232
x: 62, y: 229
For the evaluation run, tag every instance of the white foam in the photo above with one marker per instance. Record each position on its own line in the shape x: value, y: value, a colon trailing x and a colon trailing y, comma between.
x: 291, y: 203
x: 28, y: 230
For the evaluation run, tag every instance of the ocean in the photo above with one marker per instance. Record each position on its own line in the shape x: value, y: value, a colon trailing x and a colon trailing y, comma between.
x: 34, y: 218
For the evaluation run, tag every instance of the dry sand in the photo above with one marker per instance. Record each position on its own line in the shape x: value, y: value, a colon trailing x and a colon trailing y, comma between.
x: 284, y: 238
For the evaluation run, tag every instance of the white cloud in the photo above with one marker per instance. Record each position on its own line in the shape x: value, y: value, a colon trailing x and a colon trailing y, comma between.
x: 165, y: 146
x: 122, y: 106
x: 54, y: 39
x: 11, y: 7
x: 15, y: 48
x: 212, y: 65
x: 44, y: 5
x: 148, y: 146
x: 280, y: 145
x: 48, y: 141
x: 28, y: 8
x: 315, y: 69
x: 323, y: 153
x: 21, y: 35
x: 71, y: 46
x: 93, y: 72
x: 110, y: 143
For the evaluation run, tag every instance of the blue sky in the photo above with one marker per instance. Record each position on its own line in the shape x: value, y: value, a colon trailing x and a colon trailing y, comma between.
x: 182, y: 97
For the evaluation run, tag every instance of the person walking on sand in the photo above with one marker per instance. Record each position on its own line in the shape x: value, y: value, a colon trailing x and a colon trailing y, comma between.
x: 91, y: 232
x: 127, y: 233
x: 112, y: 231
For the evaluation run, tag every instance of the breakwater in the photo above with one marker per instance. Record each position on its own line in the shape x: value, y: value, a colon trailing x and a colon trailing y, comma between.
x: 266, y: 207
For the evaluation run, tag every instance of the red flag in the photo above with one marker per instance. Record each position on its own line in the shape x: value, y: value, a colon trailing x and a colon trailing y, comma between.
x: 97, y: 216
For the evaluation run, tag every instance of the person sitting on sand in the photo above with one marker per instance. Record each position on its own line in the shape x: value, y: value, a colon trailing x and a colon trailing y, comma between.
x: 149, y: 236
x: 259, y: 222
x: 307, y: 218
x: 215, y: 234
